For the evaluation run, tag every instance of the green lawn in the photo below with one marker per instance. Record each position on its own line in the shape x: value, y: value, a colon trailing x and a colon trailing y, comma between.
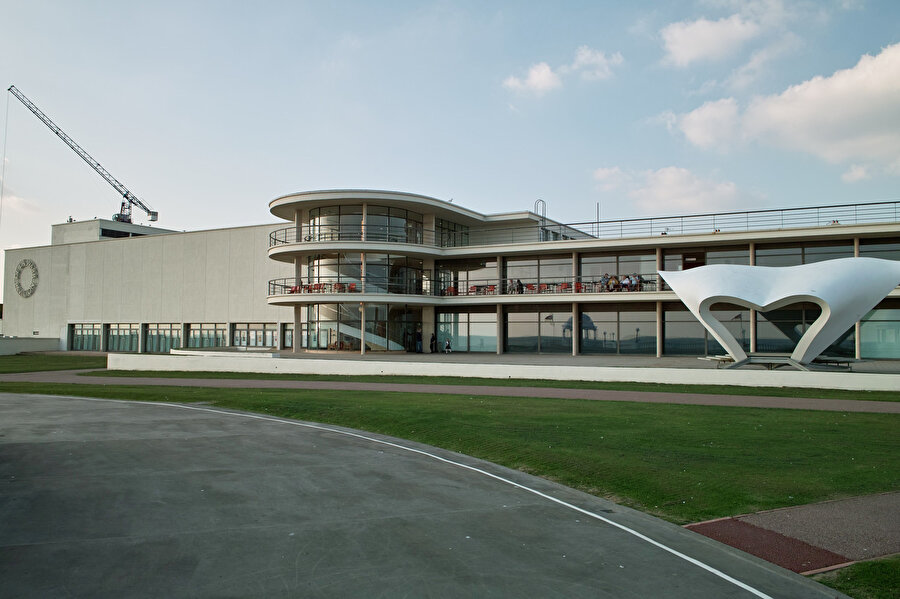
x: 684, y: 463
x: 449, y: 380
x: 876, y: 579
x: 54, y: 361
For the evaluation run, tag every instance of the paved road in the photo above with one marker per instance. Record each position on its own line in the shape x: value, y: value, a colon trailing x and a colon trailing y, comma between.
x: 71, y: 377
x: 102, y: 498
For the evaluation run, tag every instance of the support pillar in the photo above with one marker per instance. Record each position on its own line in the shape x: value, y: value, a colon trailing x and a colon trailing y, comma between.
x: 659, y: 329
x: 501, y: 329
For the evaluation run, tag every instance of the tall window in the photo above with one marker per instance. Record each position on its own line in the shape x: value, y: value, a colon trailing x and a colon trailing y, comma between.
x: 207, y: 334
x: 160, y: 338
x: 122, y: 338
x: 86, y: 337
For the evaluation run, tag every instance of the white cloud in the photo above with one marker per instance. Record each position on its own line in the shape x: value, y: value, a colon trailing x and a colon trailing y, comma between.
x: 540, y: 80
x: 594, y: 64
x: 713, y: 125
x: 690, y: 41
x: 855, y: 173
x: 609, y: 178
x: 673, y: 189
x: 759, y: 61
x: 589, y: 63
x: 669, y: 190
x: 849, y: 116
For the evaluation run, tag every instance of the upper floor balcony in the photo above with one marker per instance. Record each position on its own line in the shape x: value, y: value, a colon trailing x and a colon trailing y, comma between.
x: 825, y: 217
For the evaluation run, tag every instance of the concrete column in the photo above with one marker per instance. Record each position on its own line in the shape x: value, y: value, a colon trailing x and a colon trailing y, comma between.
x: 365, y: 212
x: 752, y: 312
x: 501, y: 329
x: 659, y: 329
x: 428, y: 328
x: 752, y: 331
x: 298, y: 319
x: 857, y: 342
x: 142, y: 338
x: 501, y: 287
x: 362, y: 328
x: 576, y: 330
x: 856, y: 247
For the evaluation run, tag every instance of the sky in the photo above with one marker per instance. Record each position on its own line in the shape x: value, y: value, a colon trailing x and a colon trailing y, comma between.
x: 208, y: 110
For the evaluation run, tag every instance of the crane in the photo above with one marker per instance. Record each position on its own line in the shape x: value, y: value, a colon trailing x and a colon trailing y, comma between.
x: 124, y: 214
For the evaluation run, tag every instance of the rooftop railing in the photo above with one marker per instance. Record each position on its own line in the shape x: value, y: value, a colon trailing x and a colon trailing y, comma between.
x: 752, y: 220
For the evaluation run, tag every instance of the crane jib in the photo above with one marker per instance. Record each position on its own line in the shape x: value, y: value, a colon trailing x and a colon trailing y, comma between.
x: 124, y: 214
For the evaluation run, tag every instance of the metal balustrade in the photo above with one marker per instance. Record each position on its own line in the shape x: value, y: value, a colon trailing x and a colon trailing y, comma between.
x: 754, y: 220
x: 481, y: 287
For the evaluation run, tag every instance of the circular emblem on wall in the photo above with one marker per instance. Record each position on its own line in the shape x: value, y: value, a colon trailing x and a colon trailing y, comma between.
x: 26, y: 277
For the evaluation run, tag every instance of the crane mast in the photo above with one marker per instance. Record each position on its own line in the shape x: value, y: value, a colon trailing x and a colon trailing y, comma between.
x: 129, y: 199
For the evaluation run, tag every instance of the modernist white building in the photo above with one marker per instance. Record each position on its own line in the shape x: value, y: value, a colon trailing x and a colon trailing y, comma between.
x: 380, y: 271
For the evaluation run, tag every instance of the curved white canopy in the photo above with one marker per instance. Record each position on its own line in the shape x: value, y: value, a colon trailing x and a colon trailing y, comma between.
x: 846, y: 289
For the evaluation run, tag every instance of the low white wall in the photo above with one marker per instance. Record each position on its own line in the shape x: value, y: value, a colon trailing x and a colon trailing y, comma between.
x: 15, y: 345
x: 748, y: 378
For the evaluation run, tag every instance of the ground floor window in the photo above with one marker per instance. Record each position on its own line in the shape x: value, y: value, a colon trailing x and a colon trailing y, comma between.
x: 879, y: 332
x: 617, y: 329
x: 467, y: 331
x: 85, y: 337
x: 254, y: 334
x: 207, y: 334
x: 340, y: 327
x: 780, y: 330
x: 122, y: 338
x: 160, y: 338
x: 684, y: 335
x: 287, y: 335
x: 547, y: 329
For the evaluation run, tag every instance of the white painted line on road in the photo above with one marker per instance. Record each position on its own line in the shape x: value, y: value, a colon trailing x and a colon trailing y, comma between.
x: 507, y: 481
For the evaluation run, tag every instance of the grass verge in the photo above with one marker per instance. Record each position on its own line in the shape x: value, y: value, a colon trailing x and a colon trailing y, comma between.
x: 449, y: 380
x: 43, y: 362
x: 875, y: 579
x: 684, y: 463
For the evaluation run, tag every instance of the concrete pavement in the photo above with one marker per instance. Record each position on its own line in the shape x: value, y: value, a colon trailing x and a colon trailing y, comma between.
x: 103, y: 498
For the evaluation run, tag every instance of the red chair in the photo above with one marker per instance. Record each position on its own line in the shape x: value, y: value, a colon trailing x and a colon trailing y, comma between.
x: 295, y: 289
x: 579, y: 287
x: 529, y: 288
x: 542, y: 288
x: 564, y: 287
x: 491, y: 289
x: 473, y: 290
x: 352, y: 288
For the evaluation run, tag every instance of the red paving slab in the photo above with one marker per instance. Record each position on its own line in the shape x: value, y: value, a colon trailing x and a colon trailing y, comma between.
x: 789, y: 553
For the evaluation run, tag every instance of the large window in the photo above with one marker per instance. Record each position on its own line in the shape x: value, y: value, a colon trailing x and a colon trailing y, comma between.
x: 393, y: 274
x: 617, y: 329
x: 254, y: 334
x: 467, y: 277
x: 780, y: 330
x: 339, y: 327
x: 685, y: 335
x: 85, y: 337
x: 879, y: 249
x: 879, y: 331
x: 795, y: 254
x: 160, y: 338
x: 468, y: 331
x: 544, y: 330
x: 450, y: 234
x: 207, y: 334
x: 597, y: 268
x: 335, y: 271
x: 395, y: 225
x: 537, y: 274
x: 335, y: 223
x: 122, y: 338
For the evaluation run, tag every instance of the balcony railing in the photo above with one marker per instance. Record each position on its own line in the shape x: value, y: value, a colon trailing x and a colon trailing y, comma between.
x: 754, y: 220
x: 482, y: 287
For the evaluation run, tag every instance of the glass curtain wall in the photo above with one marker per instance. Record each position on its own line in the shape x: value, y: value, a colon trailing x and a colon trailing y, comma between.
x: 393, y: 274
x: 683, y: 334
x: 207, y: 334
x: 879, y: 331
x: 618, y: 329
x: 474, y: 331
x: 780, y: 330
x: 547, y: 329
x: 467, y: 276
x: 602, y: 268
x: 450, y: 234
x: 335, y: 272
x: 160, y: 338
x: 796, y: 254
x: 535, y: 274
x: 879, y: 249
x: 86, y: 337
x: 339, y: 327
x: 335, y: 223
x: 395, y: 225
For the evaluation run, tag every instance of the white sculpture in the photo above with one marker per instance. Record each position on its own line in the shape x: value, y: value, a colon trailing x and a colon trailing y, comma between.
x: 845, y: 289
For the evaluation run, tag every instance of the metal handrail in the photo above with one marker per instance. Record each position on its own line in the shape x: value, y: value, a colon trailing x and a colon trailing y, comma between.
x: 752, y: 220
x: 480, y: 287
